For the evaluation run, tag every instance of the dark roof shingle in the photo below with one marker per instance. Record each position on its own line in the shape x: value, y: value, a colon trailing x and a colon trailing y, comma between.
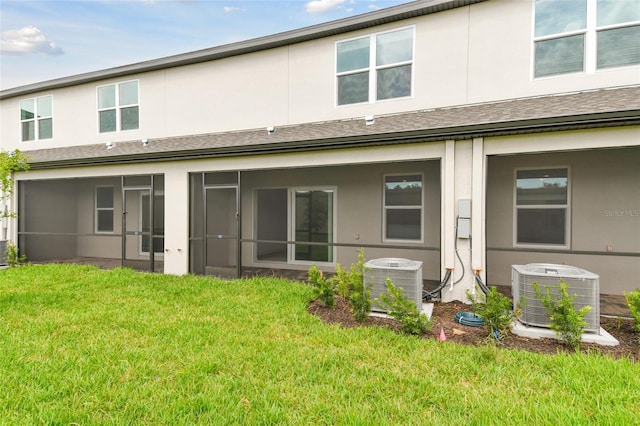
x: 597, y: 108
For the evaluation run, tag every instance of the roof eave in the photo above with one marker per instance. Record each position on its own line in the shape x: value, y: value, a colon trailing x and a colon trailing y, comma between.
x: 506, y: 128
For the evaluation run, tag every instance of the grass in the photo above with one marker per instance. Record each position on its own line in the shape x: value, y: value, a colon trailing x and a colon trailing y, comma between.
x: 79, y: 345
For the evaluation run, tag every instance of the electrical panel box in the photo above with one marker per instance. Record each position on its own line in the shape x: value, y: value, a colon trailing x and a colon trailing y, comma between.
x: 464, y: 208
x: 464, y: 218
x: 464, y: 227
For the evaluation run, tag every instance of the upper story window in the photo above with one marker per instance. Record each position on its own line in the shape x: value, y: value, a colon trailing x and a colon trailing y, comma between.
x: 375, y: 67
x: 403, y: 203
x: 542, y: 207
x: 36, y: 118
x: 585, y: 35
x: 118, y: 107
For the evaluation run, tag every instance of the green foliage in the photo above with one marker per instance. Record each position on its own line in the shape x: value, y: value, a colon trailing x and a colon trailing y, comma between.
x: 496, y: 311
x: 10, y: 162
x: 346, y: 283
x: 323, y: 288
x: 12, y: 254
x: 360, y: 294
x: 566, y: 322
x: 633, y: 302
x: 404, y: 310
x: 81, y: 345
x: 343, y: 281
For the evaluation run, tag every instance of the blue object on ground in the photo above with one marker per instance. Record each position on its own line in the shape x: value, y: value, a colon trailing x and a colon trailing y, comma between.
x: 469, y: 318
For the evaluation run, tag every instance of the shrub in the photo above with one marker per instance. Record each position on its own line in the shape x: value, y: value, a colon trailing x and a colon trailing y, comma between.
x: 360, y: 292
x: 566, y: 322
x: 323, y: 288
x: 346, y: 283
x: 12, y: 254
x: 342, y: 281
x: 404, y: 310
x: 496, y: 311
x: 10, y: 162
x: 633, y: 302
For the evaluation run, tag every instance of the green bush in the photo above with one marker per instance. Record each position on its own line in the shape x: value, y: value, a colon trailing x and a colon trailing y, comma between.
x: 633, y: 302
x: 323, y: 288
x: 343, y: 281
x: 496, y: 311
x: 404, y: 310
x: 12, y: 254
x: 566, y: 322
x: 360, y: 292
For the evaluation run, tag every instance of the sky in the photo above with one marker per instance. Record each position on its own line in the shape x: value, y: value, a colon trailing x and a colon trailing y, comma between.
x: 48, y: 39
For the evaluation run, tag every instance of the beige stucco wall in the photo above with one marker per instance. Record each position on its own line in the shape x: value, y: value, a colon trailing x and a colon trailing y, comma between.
x: 461, y: 57
x: 176, y: 175
x: 604, y: 215
x: 89, y: 244
x: 67, y: 206
x: 501, y: 58
x: 359, y: 191
x: 46, y: 220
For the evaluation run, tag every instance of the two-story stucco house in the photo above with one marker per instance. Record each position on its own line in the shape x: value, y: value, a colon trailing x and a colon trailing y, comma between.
x: 468, y: 135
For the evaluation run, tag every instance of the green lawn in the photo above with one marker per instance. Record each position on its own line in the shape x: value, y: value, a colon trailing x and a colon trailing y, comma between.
x: 84, y: 346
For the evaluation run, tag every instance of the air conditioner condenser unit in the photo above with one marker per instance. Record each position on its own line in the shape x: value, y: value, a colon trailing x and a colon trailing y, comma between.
x: 583, y: 284
x: 403, y: 273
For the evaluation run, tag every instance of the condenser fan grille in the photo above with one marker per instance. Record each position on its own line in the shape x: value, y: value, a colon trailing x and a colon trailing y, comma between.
x: 403, y: 273
x: 583, y: 284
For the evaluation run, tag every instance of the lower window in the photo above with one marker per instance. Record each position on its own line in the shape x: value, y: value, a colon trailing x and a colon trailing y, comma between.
x: 542, y: 226
x: 542, y: 205
x: 402, y: 208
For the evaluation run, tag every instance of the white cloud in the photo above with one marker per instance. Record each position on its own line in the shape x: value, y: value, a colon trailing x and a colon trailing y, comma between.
x: 229, y: 9
x: 320, y: 6
x: 27, y: 40
x: 373, y: 6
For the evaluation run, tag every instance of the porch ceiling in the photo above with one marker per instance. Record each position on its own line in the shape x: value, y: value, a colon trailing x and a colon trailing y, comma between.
x: 581, y: 110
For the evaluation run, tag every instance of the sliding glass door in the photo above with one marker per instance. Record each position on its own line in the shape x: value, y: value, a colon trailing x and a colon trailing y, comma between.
x: 313, y: 223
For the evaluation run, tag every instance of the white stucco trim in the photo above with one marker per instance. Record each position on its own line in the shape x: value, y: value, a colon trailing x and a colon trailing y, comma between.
x: 408, y: 152
x: 176, y: 207
x: 478, y: 187
x: 448, y: 206
x: 563, y: 141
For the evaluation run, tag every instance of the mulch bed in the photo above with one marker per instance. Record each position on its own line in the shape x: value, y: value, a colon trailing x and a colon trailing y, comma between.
x: 444, y: 318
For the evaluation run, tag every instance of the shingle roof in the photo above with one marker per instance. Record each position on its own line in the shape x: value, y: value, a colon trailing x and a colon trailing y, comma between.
x: 589, y: 109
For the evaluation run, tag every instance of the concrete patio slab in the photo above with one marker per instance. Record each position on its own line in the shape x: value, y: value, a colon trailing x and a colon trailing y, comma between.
x: 602, y: 338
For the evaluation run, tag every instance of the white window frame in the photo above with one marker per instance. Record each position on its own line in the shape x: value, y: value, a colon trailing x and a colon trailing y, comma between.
x: 373, y: 69
x: 566, y: 207
x: 292, y: 223
x: 590, y: 47
x: 98, y: 209
x: 36, y: 118
x: 385, y: 208
x: 117, y: 108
